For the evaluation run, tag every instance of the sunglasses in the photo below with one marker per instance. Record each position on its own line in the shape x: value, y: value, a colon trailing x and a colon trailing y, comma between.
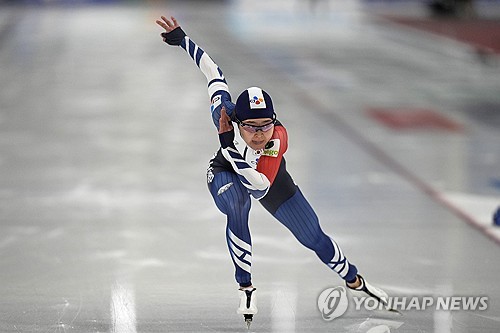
x: 253, y: 129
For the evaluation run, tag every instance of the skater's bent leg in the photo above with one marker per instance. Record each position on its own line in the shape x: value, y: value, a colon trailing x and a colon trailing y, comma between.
x: 232, y: 199
x: 299, y: 217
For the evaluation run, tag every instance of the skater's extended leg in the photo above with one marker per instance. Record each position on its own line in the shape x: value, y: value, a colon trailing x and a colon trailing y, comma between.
x: 298, y: 216
x: 232, y: 199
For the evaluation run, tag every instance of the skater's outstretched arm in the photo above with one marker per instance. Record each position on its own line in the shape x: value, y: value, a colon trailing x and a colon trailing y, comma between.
x: 218, y: 90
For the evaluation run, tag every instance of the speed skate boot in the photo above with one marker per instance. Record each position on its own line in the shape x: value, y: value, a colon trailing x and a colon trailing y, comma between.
x: 366, y: 289
x: 248, y: 304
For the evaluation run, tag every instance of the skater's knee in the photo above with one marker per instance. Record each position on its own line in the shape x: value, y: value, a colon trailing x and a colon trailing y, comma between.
x: 320, y: 244
x: 232, y: 199
x: 238, y: 206
x: 316, y: 242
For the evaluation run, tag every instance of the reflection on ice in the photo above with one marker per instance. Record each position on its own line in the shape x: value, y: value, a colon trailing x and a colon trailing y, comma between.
x: 123, y: 313
x: 379, y: 329
x: 442, y: 321
x: 375, y: 325
x: 283, y: 308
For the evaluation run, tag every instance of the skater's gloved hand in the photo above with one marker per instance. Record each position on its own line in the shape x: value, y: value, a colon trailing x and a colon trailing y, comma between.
x: 173, y: 34
x: 226, y: 130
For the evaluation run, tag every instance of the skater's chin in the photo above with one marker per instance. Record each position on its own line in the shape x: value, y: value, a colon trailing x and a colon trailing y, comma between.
x: 258, y: 144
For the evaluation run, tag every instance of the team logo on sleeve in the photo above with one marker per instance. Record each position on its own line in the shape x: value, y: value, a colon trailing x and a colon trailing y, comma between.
x: 216, y: 101
x: 210, y: 174
x: 272, y: 148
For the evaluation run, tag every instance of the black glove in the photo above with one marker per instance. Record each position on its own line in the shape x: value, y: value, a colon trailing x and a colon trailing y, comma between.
x: 174, y: 37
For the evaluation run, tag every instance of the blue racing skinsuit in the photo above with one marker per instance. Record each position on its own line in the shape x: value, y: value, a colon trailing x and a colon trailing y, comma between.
x: 237, y: 172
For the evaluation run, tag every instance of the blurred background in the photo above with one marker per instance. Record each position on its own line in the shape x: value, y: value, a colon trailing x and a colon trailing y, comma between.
x: 106, y: 225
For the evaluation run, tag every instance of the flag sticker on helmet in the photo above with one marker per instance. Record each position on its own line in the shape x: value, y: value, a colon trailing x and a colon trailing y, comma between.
x: 256, y: 97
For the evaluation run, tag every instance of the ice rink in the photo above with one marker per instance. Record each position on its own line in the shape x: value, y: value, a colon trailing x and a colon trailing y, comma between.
x: 106, y: 223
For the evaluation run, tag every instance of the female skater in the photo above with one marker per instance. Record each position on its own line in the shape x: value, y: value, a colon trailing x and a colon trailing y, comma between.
x: 252, y: 164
